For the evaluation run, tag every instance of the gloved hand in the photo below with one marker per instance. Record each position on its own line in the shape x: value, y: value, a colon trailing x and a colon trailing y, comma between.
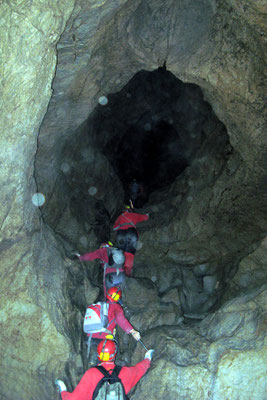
x: 135, y: 334
x: 61, y: 385
x: 72, y: 256
x: 149, y: 354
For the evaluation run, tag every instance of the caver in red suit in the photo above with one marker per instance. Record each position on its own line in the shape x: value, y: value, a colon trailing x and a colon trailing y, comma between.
x: 102, y: 254
x: 127, y: 235
x: 116, y: 316
x: 112, y: 276
x: 129, y: 376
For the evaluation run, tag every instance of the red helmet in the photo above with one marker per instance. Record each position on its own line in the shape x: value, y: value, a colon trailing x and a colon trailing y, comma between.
x: 106, y: 350
x: 114, y: 294
x: 108, y: 244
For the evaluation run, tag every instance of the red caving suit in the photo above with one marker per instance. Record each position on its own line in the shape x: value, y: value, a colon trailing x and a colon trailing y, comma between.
x: 116, y: 315
x: 129, y: 220
x: 128, y: 375
x: 102, y: 254
x: 125, y: 221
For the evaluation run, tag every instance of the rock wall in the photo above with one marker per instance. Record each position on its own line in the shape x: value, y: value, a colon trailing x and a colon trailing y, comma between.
x: 223, y: 55
x: 224, y: 357
x: 219, y: 46
x: 31, y: 346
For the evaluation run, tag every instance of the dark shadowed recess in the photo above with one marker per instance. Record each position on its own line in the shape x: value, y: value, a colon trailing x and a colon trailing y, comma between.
x: 151, y: 129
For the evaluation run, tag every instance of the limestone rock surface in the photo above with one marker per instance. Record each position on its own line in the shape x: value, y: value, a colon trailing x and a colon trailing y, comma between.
x: 31, y: 346
x: 58, y: 58
x: 220, y: 360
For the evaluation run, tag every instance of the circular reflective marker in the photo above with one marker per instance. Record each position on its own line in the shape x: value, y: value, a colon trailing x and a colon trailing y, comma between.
x: 83, y: 240
x: 38, y: 199
x: 92, y: 190
x: 154, y: 278
x: 103, y: 100
x: 65, y: 167
x: 147, y: 127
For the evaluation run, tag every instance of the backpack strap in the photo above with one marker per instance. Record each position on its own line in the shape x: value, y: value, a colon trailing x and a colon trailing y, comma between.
x: 116, y: 371
x: 110, y: 257
x: 106, y: 374
x: 89, y: 344
x: 115, y: 374
x: 108, y: 377
x: 103, y: 371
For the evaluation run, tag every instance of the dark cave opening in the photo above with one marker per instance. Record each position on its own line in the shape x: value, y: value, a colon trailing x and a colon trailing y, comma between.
x: 156, y: 161
x: 151, y: 129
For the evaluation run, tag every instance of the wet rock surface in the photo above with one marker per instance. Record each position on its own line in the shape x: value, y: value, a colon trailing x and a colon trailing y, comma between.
x: 201, y: 254
x: 210, y: 360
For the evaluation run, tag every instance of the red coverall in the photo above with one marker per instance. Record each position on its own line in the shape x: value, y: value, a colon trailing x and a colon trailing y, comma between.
x: 102, y: 254
x: 128, y: 375
x: 125, y: 221
x: 115, y: 312
x: 129, y: 220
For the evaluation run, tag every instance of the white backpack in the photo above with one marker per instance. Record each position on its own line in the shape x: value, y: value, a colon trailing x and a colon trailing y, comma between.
x: 95, y: 321
x: 96, y: 318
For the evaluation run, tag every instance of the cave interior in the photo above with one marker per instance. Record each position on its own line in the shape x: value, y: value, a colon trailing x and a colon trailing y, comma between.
x: 172, y: 94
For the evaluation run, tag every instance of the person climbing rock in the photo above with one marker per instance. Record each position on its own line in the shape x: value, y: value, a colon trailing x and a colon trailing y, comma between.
x: 100, y: 381
x: 113, y: 262
x: 136, y: 191
x: 115, y: 315
x: 127, y: 235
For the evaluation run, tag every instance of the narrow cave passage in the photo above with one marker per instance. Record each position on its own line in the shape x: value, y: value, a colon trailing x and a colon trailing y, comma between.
x: 152, y: 130
x: 160, y: 131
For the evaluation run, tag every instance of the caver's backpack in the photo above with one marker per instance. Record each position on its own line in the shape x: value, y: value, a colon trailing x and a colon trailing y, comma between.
x: 96, y: 320
x: 116, y: 257
x: 116, y: 260
x: 109, y: 387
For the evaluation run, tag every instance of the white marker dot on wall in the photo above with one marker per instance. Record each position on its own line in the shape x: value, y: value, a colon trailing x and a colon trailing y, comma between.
x: 38, y: 199
x: 147, y: 127
x: 65, y: 167
x: 103, y: 100
x: 83, y: 241
x: 92, y: 190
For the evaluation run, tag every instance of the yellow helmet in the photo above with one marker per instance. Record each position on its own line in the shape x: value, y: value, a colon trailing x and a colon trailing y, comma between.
x: 108, y: 244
